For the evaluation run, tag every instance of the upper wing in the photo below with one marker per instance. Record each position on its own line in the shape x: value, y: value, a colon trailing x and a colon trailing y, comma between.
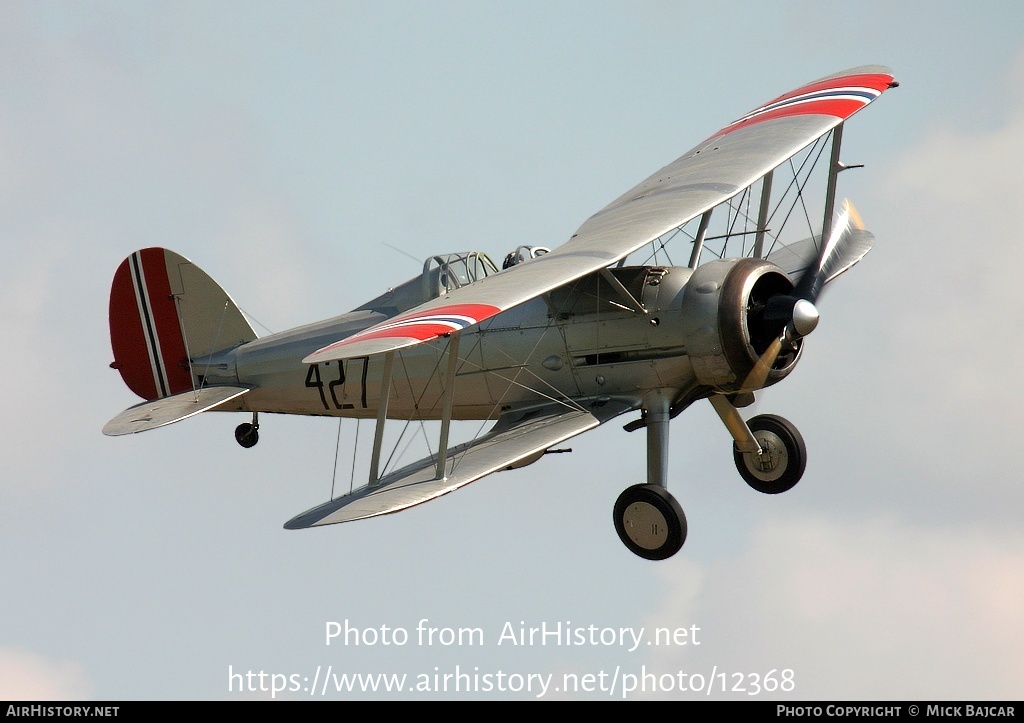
x: 515, y: 437
x: 714, y: 171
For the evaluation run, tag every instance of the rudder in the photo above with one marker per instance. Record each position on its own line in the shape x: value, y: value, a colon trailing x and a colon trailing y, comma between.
x: 165, y: 312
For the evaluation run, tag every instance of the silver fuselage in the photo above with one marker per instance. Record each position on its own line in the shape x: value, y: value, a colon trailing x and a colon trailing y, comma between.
x: 576, y: 342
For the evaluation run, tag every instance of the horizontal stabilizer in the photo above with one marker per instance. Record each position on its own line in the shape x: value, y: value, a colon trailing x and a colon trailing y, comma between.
x: 514, y: 438
x: 161, y: 412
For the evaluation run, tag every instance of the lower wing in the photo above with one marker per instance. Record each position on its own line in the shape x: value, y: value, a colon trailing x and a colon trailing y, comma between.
x: 515, y: 438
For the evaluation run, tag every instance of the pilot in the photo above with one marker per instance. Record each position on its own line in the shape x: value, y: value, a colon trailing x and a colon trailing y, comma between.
x: 523, y: 253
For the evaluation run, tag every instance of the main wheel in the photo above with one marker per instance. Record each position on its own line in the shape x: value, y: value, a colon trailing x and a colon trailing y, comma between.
x: 247, y: 434
x: 783, y: 458
x: 650, y: 521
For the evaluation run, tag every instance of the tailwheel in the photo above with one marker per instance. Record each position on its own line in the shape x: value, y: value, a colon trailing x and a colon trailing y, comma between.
x: 247, y: 434
x: 783, y: 455
x: 650, y: 521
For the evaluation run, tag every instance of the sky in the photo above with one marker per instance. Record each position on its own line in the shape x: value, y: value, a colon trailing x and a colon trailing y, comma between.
x: 300, y: 153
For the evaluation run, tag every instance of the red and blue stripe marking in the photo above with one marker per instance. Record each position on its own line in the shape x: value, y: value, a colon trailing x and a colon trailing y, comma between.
x: 839, y: 97
x: 422, y: 325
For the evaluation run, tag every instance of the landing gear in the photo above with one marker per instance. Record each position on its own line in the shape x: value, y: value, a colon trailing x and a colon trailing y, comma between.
x: 650, y: 521
x: 769, y: 453
x: 783, y: 455
x: 247, y: 434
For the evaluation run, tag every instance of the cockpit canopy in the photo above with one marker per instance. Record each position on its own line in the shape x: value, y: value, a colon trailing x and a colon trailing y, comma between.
x: 441, y: 274
x: 522, y: 254
x: 446, y: 272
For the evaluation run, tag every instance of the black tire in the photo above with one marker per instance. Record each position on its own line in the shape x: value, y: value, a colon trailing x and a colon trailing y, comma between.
x: 247, y: 435
x: 786, y: 455
x: 650, y: 521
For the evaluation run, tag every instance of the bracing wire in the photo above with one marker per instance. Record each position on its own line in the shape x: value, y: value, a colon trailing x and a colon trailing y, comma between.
x: 337, y: 447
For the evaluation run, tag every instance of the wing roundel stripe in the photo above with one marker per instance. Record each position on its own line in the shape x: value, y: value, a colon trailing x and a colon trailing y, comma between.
x: 840, y: 97
x: 421, y: 326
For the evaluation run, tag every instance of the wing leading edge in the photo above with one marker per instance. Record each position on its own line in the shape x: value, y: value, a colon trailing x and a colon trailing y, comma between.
x: 514, y: 438
x: 707, y: 175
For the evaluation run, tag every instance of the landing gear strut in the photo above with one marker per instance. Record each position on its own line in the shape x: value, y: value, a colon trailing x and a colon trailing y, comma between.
x: 647, y: 517
x: 769, y: 453
x: 247, y: 434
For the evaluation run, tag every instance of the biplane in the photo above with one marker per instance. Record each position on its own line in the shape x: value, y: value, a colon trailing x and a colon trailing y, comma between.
x: 554, y: 343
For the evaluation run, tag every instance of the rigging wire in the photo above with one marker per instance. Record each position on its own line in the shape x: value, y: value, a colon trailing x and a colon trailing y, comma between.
x: 738, y: 210
x: 337, y: 447
x: 355, y: 447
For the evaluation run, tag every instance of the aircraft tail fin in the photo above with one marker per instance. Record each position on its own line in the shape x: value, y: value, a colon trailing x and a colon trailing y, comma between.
x: 165, y: 312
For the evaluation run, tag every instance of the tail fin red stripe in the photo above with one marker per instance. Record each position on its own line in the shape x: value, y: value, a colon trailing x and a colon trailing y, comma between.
x: 149, y: 349
x: 149, y: 335
x: 170, y: 343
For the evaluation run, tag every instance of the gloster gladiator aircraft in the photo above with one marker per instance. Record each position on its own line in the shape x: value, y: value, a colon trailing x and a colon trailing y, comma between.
x: 555, y: 343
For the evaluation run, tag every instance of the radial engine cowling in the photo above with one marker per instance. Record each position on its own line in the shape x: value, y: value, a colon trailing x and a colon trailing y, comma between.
x: 726, y: 331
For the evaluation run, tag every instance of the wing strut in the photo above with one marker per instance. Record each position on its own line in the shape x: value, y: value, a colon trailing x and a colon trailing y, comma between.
x: 382, y: 416
x: 698, y: 243
x: 834, y: 167
x: 762, y: 215
x: 446, y: 412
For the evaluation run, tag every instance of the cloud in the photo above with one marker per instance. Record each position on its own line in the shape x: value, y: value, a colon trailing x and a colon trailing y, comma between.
x: 925, y: 370
x: 861, y: 610
x: 25, y: 675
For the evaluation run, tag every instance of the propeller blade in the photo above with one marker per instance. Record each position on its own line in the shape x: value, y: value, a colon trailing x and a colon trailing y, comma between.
x: 847, y: 244
x: 803, y: 318
x: 759, y: 374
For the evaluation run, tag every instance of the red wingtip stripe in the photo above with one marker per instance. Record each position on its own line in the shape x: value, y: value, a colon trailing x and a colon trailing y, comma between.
x: 875, y: 81
x: 839, y: 97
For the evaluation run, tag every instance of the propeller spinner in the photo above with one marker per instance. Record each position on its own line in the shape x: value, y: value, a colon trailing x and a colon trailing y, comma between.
x: 796, y: 312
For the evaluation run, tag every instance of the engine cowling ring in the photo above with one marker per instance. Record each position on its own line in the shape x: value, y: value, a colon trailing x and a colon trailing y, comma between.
x: 724, y: 306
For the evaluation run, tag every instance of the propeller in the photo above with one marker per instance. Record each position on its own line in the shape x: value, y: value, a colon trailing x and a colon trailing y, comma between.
x: 847, y: 244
